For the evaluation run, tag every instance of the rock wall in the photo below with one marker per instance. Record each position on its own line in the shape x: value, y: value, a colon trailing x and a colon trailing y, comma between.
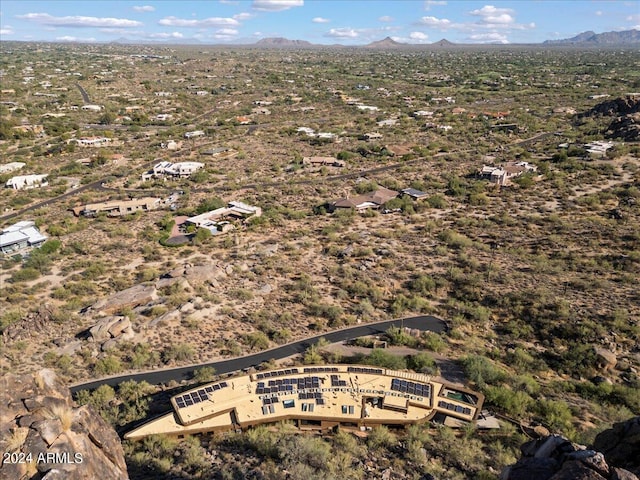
x: 45, y: 436
x: 615, y: 456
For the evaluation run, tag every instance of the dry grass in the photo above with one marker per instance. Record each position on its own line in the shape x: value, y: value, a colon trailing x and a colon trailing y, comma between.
x: 16, y: 439
x: 63, y: 413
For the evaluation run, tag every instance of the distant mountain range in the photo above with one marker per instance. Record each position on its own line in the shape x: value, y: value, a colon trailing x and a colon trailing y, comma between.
x: 584, y: 39
x: 282, y: 42
x: 626, y: 37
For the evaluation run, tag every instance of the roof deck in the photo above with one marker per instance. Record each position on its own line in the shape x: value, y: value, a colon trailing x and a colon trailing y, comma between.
x: 323, y: 396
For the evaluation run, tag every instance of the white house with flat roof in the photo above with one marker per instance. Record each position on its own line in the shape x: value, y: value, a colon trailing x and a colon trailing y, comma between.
x: 169, y: 169
x: 20, y: 237
x: 25, y: 182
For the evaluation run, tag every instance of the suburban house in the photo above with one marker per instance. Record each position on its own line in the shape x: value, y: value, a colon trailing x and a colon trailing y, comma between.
x: 322, y: 161
x: 94, y: 142
x: 321, y: 397
x: 169, y: 169
x: 171, y: 145
x: 372, y: 136
x: 225, y: 152
x: 413, y: 193
x: 219, y: 220
x: 93, y: 108
x: 598, y: 148
x: 194, y: 134
x: 11, y: 167
x: 118, y: 208
x: 502, y: 175
x: 20, y: 237
x: 25, y: 182
x: 398, y: 150
x: 371, y: 200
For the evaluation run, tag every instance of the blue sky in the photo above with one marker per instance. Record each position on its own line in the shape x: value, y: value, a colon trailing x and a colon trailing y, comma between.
x: 318, y: 21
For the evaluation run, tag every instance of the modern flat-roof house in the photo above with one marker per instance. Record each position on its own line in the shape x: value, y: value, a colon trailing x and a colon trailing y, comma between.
x: 414, y: 193
x: 218, y: 221
x: 21, y: 237
x: 169, y: 169
x: 194, y: 134
x: 366, y: 201
x: 316, y: 398
x: 598, y: 148
x: 502, y: 175
x: 25, y: 182
x: 118, y: 208
x: 93, y: 141
x: 322, y: 161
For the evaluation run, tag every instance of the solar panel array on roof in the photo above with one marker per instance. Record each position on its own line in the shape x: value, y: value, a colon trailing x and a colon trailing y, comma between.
x: 454, y: 408
x: 321, y: 369
x: 309, y: 395
x: 412, y: 388
x: 336, y: 382
x: 373, y: 371
x: 200, y: 395
x: 277, y: 373
x: 287, y: 385
x: 270, y: 401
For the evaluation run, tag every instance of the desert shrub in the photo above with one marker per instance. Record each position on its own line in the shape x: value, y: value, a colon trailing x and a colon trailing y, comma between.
x: 382, y: 358
x: 433, y: 342
x: 423, y: 363
x: 108, y: 365
x: 24, y: 275
x: 381, y: 437
x: 481, y: 371
x: 181, y: 352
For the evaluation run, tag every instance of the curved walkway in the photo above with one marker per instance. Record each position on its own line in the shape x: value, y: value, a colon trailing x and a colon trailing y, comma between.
x: 424, y: 323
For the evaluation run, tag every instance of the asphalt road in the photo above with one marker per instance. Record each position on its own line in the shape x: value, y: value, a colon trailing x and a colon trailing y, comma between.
x: 155, y: 377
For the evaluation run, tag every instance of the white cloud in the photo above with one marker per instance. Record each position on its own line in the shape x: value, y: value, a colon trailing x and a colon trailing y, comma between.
x: 69, y: 38
x: 243, y: 16
x: 419, y: 36
x: 7, y: 30
x: 276, y: 5
x: 320, y: 20
x: 386, y: 18
x: 633, y: 18
x: 492, y: 37
x: 79, y: 21
x: 144, y: 8
x: 206, y: 22
x: 436, y: 22
x: 227, y: 31
x: 342, y: 33
x: 166, y: 35
x: 430, y: 3
x: 599, y: 13
x: 493, y: 15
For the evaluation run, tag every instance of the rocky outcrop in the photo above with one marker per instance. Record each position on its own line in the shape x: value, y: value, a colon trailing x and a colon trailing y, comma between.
x: 621, y: 445
x: 108, y: 331
x: 52, y: 439
x: 129, y: 298
x: 626, y: 110
x: 615, y: 108
x: 196, y: 275
x: 34, y: 324
x: 556, y: 458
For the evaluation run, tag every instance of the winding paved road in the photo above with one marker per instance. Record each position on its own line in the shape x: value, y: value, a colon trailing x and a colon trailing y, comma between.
x: 155, y: 377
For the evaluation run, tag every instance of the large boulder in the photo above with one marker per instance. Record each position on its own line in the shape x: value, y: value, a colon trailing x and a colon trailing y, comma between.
x: 556, y: 458
x: 39, y: 421
x: 621, y: 445
x: 129, y: 298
